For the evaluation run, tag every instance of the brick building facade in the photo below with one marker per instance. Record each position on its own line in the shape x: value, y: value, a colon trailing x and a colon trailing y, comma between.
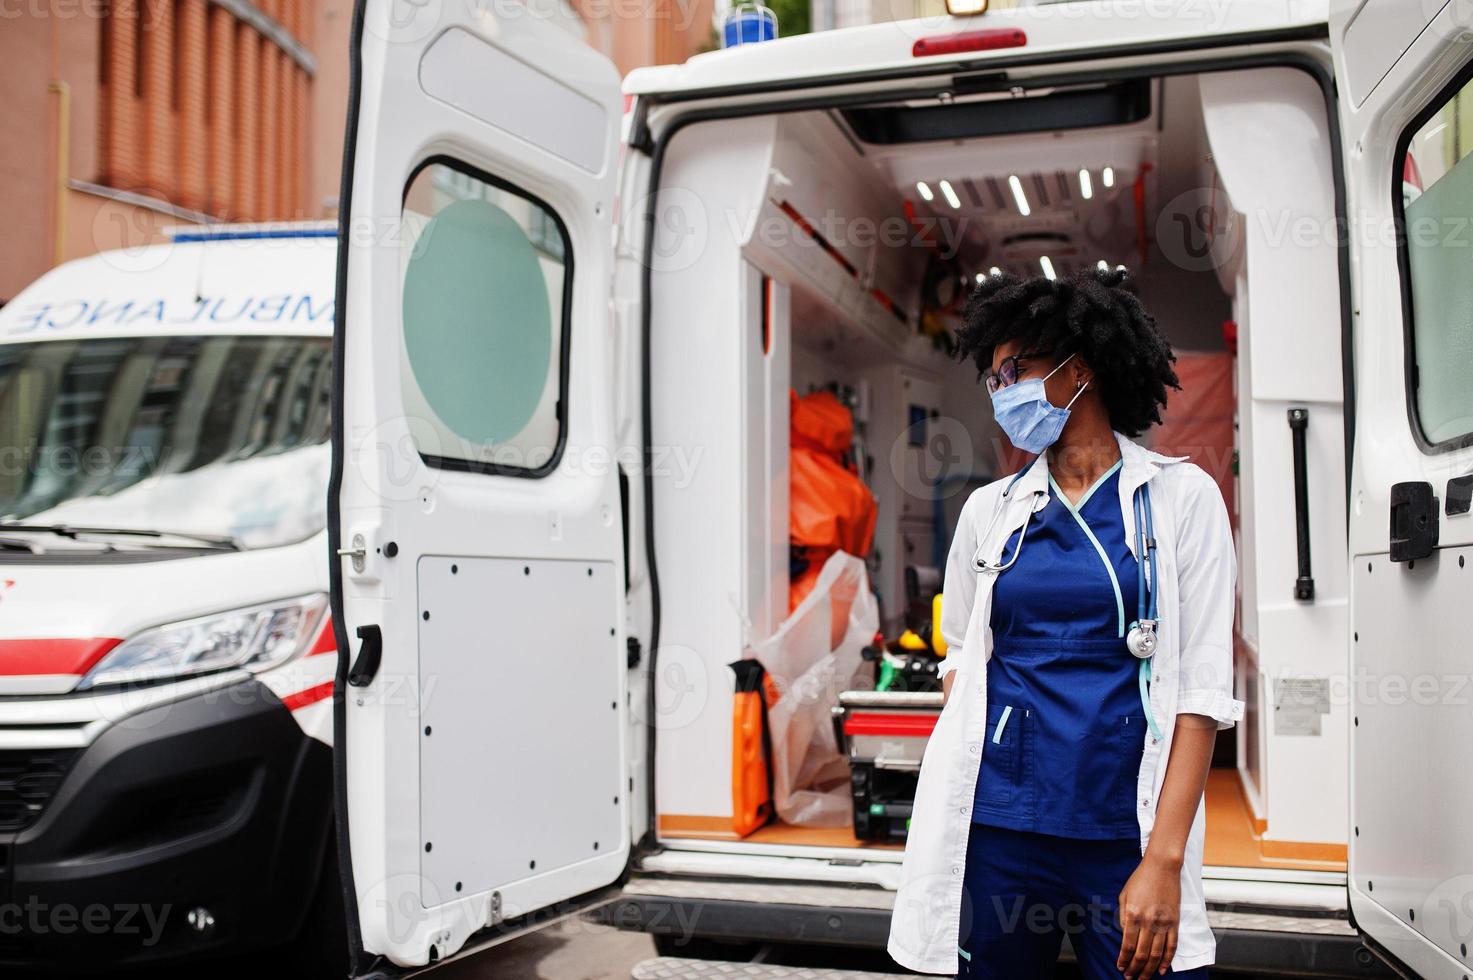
x: 121, y: 118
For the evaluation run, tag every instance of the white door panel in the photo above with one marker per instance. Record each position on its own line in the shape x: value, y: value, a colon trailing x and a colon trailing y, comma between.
x: 485, y: 757
x: 1374, y: 34
x: 1411, y: 849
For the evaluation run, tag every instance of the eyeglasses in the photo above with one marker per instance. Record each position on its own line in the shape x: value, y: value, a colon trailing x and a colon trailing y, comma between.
x: 1007, y: 371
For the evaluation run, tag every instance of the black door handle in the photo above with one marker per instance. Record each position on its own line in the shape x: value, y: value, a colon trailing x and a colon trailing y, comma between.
x: 1414, y: 529
x: 365, y: 667
x: 1298, y: 427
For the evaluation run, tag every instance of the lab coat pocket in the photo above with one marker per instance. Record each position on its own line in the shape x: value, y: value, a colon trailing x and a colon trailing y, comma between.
x: 1001, y: 761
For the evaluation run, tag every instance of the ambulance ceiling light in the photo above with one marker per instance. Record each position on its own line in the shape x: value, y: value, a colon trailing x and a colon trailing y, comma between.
x: 1047, y: 265
x: 924, y: 189
x: 1086, y: 188
x: 1107, y: 177
x: 1019, y: 196
x: 950, y: 195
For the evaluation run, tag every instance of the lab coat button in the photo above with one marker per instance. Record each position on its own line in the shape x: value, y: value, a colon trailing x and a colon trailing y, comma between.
x: 956, y: 871
x: 975, y: 748
x: 1145, y: 801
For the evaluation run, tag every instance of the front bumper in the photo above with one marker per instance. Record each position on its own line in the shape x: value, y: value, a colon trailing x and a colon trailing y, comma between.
x: 217, y: 802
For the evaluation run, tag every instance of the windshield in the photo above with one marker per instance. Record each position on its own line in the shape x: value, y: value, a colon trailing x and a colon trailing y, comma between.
x: 198, y: 435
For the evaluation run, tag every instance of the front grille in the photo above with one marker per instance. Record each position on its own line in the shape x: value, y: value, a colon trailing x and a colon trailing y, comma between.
x: 28, y: 780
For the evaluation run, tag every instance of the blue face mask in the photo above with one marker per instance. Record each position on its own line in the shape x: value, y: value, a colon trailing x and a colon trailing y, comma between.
x: 1029, y: 419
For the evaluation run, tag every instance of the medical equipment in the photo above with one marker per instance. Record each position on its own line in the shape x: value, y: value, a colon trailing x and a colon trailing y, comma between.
x: 1031, y: 422
x: 984, y: 564
x: 884, y: 736
x: 1141, y: 638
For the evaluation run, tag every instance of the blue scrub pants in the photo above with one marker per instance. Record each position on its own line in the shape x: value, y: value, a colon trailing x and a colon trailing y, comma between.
x: 1023, y: 891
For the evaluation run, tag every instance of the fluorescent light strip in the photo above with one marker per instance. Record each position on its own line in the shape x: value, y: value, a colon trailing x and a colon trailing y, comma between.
x: 1048, y: 266
x: 994, y: 271
x: 924, y: 190
x: 950, y: 195
x: 1019, y: 196
x: 1107, y: 177
x: 1103, y: 265
x: 1086, y: 188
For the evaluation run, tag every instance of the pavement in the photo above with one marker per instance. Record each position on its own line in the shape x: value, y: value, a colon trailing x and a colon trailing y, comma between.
x: 574, y: 949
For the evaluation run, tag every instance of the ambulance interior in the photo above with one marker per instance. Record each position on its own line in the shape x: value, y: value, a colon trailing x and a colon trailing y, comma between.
x: 829, y: 250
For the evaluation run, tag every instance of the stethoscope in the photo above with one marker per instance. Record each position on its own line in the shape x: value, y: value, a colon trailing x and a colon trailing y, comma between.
x: 979, y: 561
x: 1141, y: 638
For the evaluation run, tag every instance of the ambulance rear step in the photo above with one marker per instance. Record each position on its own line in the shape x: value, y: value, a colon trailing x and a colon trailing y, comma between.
x: 1264, y: 941
x: 677, y: 968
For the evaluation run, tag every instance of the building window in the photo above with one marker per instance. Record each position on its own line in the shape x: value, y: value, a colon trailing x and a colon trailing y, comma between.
x: 203, y: 110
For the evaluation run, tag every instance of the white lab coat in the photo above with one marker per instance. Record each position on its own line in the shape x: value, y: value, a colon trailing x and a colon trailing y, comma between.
x: 1192, y: 674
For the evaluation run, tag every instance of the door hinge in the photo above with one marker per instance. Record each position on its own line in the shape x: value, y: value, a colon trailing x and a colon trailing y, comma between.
x: 632, y: 652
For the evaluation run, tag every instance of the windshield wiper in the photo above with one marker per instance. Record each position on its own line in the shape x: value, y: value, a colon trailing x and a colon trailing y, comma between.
x: 220, y: 542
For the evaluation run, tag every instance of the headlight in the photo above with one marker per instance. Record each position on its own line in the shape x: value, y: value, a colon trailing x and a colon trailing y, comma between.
x: 254, y: 638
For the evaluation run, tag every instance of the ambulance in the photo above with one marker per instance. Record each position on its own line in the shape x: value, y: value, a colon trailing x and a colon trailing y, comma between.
x: 558, y: 504
x: 166, y: 649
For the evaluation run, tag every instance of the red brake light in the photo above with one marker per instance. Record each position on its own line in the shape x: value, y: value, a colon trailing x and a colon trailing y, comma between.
x: 988, y: 40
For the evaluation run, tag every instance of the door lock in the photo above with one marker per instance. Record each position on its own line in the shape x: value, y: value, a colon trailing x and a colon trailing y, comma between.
x: 359, y: 552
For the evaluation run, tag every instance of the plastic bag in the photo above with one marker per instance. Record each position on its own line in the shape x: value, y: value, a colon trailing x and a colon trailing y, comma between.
x: 813, y: 656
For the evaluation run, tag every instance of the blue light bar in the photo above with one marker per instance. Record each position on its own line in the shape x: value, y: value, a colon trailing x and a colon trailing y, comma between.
x: 245, y: 234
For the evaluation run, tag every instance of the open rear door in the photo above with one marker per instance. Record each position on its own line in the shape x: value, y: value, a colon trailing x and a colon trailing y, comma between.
x: 1406, y: 93
x: 475, y: 516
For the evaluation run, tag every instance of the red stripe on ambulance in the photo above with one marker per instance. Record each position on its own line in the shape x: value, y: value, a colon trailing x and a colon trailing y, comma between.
x: 327, y: 641
x: 69, y: 655
x: 311, y: 695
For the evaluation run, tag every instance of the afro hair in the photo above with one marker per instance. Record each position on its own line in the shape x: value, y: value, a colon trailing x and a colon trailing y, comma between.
x: 1092, y: 313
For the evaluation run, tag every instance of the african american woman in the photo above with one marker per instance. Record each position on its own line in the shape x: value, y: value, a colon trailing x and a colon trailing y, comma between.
x: 1088, y: 604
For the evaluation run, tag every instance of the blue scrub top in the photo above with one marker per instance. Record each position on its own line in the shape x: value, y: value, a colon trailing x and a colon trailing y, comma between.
x: 1065, y: 727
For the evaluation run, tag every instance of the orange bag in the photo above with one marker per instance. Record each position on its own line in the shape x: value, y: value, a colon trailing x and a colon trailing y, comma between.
x: 751, y: 776
x: 830, y: 507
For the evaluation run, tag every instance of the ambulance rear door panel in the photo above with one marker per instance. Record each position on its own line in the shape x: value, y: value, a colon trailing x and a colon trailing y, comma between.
x: 475, y: 510
x: 1401, y: 67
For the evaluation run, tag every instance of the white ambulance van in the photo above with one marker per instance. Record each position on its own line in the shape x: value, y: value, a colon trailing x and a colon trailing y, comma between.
x: 559, y: 504
x: 165, y: 642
